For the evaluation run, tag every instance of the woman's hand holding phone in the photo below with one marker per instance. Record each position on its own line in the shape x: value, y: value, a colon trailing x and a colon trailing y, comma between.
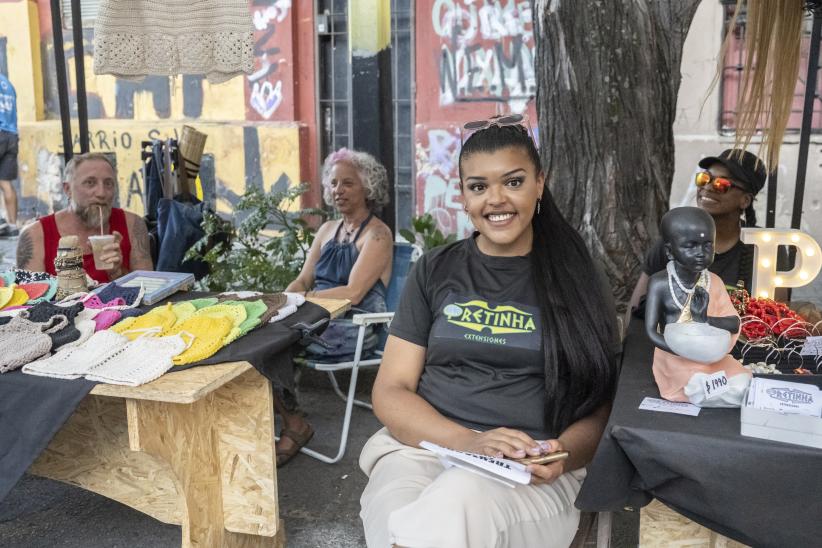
x: 547, y: 472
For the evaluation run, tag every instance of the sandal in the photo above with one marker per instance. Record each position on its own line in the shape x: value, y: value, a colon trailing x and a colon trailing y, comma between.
x: 299, y: 439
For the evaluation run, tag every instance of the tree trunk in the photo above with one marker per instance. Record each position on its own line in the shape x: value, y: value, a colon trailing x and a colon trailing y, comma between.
x: 608, y: 74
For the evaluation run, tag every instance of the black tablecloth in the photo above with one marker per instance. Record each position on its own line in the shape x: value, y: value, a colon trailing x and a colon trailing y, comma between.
x: 758, y: 492
x: 33, y: 409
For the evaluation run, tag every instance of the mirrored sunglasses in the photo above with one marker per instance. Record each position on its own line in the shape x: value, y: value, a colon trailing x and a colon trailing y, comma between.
x: 718, y: 184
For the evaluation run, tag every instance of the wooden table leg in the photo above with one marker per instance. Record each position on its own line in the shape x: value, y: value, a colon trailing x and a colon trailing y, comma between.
x: 659, y: 526
x: 221, y: 452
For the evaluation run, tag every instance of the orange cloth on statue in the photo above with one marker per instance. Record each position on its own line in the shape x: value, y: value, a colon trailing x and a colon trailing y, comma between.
x: 673, y: 372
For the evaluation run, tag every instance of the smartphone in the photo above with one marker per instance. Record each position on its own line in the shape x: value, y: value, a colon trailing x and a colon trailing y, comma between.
x: 544, y: 459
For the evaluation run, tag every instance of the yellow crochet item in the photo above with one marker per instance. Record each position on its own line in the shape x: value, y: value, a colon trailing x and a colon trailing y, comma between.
x: 183, y: 310
x: 19, y: 297
x: 162, y: 317
x: 234, y: 312
x: 5, y: 296
x: 209, y: 333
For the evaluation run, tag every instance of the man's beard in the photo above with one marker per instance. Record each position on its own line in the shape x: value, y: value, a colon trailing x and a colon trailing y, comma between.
x: 90, y: 214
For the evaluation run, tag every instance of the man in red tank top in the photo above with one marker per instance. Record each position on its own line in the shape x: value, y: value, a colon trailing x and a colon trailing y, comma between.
x: 90, y: 182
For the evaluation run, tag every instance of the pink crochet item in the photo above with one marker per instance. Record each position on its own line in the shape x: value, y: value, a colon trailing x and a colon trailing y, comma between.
x: 95, y: 302
x: 106, y: 319
x: 35, y: 290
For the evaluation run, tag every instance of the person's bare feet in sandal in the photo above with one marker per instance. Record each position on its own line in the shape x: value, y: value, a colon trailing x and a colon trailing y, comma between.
x: 296, y: 433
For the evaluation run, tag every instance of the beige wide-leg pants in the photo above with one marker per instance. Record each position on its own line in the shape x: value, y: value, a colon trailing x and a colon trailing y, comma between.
x: 412, y: 500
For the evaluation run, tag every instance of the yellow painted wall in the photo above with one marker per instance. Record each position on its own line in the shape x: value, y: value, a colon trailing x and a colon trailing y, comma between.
x: 279, y: 148
x: 19, y: 24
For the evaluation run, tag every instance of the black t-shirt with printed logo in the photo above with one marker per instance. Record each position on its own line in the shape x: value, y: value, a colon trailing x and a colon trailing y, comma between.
x: 477, y: 317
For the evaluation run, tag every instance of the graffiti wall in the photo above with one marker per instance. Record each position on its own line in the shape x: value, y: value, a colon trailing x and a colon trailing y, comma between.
x: 476, y: 51
x: 268, y: 88
x: 248, y: 149
x: 474, y: 59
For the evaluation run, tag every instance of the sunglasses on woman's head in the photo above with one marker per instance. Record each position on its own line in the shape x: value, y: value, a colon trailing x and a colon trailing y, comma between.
x: 470, y: 128
x: 718, y: 184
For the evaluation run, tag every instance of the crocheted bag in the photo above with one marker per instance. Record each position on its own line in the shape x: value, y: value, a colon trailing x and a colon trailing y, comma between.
x: 235, y: 313
x: 5, y: 296
x: 42, y: 312
x: 73, y: 363
x: 203, y: 302
x: 35, y: 290
x: 105, y: 319
x: 20, y: 276
x: 132, y: 295
x: 22, y: 341
x: 255, y: 310
x: 140, y: 361
x: 161, y: 317
x: 19, y: 297
x: 183, y: 310
x: 209, y: 333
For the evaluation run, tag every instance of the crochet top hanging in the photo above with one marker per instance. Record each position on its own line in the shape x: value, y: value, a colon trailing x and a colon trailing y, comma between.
x: 136, y: 38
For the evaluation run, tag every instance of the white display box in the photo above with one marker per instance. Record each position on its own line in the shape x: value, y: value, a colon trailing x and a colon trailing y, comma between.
x: 772, y: 425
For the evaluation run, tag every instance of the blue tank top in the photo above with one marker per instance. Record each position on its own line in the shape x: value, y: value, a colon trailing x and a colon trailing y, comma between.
x: 8, y: 106
x: 334, y: 267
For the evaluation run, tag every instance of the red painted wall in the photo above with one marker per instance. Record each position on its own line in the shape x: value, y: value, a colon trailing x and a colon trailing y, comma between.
x: 270, y: 88
x: 474, y: 59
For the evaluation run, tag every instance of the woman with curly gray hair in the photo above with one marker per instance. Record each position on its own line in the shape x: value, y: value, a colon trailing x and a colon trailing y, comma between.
x: 349, y: 259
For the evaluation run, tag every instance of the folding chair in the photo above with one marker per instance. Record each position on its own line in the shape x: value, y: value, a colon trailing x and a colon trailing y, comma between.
x: 399, y: 273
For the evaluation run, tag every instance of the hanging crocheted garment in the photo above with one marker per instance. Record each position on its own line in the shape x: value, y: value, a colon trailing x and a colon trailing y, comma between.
x: 135, y: 38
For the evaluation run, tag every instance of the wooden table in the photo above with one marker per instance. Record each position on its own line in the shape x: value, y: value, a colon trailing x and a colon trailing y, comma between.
x: 193, y: 448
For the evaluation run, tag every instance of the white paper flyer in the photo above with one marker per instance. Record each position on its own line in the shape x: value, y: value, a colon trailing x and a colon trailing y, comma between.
x: 505, y: 471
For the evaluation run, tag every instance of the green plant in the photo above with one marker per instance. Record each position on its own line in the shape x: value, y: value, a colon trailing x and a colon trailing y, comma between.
x: 242, y: 256
x: 426, y: 234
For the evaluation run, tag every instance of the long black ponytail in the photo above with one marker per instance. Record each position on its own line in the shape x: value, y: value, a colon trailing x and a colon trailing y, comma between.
x: 578, y: 327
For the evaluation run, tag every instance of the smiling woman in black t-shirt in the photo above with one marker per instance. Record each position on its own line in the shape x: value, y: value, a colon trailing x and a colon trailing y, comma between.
x: 503, y: 344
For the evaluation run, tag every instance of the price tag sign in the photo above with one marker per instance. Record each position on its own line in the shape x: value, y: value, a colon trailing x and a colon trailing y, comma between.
x: 715, y: 384
x: 812, y: 347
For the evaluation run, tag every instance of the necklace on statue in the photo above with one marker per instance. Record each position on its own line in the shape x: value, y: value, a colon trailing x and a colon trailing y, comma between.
x: 703, y: 281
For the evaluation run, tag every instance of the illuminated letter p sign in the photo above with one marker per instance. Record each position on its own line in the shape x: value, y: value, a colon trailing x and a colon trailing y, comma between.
x: 765, y: 275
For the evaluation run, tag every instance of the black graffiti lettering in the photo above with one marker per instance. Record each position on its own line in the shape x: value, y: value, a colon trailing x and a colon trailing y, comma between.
x: 125, y: 140
x: 102, y: 140
x: 448, y: 72
x: 515, y: 61
x: 487, y: 53
x: 258, y: 45
x: 134, y: 188
x: 470, y: 69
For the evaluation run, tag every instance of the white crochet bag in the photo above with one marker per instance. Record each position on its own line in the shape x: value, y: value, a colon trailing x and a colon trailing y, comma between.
x: 73, y: 363
x: 140, y: 361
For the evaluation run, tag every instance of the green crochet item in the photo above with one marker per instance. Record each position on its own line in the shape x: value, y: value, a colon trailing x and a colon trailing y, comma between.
x: 203, y: 302
x: 254, y: 311
x: 183, y: 310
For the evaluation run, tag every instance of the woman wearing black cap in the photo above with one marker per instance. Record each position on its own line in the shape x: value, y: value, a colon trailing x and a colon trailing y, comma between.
x: 727, y: 186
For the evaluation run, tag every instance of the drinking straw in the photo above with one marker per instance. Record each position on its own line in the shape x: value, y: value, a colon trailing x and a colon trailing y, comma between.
x: 100, y: 210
